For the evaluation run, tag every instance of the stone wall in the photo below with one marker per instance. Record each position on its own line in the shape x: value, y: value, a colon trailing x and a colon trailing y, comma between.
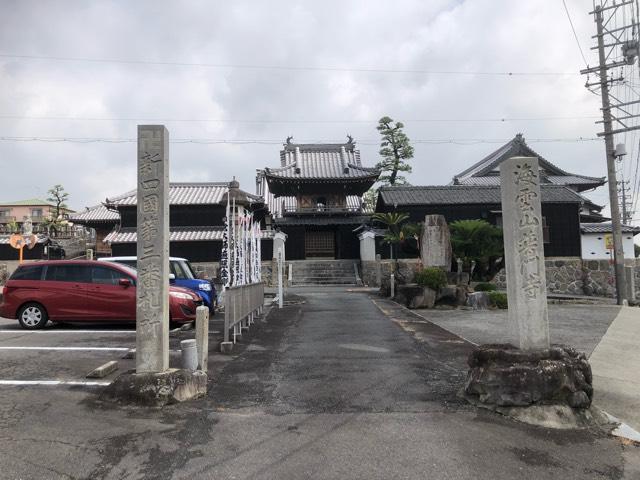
x: 407, y: 269
x: 574, y: 276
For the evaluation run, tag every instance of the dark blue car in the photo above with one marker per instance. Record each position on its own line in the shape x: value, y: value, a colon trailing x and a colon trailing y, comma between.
x: 182, y: 275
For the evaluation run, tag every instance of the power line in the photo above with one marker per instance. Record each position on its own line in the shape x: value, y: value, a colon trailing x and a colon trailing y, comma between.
x: 207, y: 141
x: 575, y: 35
x: 302, y: 121
x: 284, y: 67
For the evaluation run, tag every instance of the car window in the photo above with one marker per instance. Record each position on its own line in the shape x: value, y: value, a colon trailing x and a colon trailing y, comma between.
x: 106, y: 276
x: 188, y: 271
x: 27, y: 273
x: 68, y: 273
x: 177, y: 270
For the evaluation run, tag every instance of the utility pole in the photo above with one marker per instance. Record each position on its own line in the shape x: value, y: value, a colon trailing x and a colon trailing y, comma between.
x: 629, y: 50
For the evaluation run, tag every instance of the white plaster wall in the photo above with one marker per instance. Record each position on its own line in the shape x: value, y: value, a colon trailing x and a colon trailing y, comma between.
x: 593, y: 246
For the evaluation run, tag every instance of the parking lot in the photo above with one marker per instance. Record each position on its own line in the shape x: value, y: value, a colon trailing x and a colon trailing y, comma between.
x: 61, y: 355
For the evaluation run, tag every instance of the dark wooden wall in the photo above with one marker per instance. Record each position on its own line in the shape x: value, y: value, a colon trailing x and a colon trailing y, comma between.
x: 207, y: 251
x: 563, y: 221
x: 181, y: 216
x: 347, y: 245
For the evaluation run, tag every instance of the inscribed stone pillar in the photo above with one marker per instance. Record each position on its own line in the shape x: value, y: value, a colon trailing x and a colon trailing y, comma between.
x: 435, y: 244
x: 152, y: 291
x: 367, y: 246
x: 524, y: 252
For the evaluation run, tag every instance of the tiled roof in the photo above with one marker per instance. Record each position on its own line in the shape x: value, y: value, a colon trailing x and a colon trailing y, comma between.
x: 321, y: 161
x: 4, y: 239
x: 193, y: 193
x: 31, y: 202
x: 177, y: 234
x: 485, y: 172
x: 467, y: 194
x: 605, y: 227
x: 95, y: 214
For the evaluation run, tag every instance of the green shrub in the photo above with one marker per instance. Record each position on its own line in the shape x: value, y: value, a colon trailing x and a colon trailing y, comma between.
x: 485, y: 287
x: 432, y: 277
x: 498, y: 299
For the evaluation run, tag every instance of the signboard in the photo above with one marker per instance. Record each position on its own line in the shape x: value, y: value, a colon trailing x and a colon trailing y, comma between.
x: 608, y: 241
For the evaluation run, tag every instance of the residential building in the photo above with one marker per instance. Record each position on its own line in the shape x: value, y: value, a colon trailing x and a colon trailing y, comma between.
x: 560, y: 209
x: 486, y: 172
x: 35, y: 209
x: 196, y: 220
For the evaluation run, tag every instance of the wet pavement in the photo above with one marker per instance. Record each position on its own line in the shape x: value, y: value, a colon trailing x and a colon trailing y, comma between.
x: 345, y: 385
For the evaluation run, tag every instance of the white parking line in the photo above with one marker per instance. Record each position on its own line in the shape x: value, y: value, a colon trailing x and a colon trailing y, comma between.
x: 133, y: 332
x: 79, y: 349
x: 53, y: 383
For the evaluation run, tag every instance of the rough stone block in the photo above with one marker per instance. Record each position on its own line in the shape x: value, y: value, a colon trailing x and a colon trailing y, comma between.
x: 156, y: 389
x: 478, y: 300
x: 502, y: 375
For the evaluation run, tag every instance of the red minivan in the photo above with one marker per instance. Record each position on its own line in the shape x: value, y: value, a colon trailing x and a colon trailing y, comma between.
x: 82, y: 290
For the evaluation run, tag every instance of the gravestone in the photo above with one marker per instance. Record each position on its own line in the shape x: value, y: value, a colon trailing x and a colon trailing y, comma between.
x: 152, y: 291
x: 435, y: 244
x: 524, y: 252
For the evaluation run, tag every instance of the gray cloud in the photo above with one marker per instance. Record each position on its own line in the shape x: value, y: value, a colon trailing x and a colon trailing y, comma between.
x: 479, y: 35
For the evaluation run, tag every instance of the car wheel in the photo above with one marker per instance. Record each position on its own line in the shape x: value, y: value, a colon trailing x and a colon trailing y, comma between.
x: 32, y: 316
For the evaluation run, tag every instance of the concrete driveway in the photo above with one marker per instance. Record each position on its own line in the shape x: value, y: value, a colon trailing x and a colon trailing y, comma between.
x: 343, y: 386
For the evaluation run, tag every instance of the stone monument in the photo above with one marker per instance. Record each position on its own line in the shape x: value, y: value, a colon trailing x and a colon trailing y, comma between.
x: 152, y: 292
x: 153, y: 383
x: 435, y: 244
x: 524, y: 252
x: 535, y: 383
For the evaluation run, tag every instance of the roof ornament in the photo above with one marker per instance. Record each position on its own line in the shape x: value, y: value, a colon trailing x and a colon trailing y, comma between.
x: 519, y: 138
x: 289, y: 138
x: 350, y: 140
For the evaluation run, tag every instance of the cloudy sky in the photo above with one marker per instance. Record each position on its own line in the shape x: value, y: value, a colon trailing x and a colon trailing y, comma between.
x: 250, y: 73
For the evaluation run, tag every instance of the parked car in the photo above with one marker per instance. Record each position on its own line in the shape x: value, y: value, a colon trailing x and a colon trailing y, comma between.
x: 82, y: 290
x: 183, y: 276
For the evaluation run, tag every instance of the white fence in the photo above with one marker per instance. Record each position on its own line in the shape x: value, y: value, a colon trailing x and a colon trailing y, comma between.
x: 241, y: 304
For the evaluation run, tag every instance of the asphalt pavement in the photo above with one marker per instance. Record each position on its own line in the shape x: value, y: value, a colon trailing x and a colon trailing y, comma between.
x: 343, y: 386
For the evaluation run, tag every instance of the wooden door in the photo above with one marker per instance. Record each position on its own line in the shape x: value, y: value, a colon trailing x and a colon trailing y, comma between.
x: 319, y: 244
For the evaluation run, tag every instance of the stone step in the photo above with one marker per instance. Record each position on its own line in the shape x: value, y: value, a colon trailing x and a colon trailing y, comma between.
x: 324, y: 279
x: 323, y: 282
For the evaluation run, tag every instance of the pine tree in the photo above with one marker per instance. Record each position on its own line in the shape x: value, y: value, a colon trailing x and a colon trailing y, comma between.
x: 395, y: 150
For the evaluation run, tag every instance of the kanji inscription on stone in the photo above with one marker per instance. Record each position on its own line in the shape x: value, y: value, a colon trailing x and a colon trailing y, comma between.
x: 152, y: 289
x: 524, y: 251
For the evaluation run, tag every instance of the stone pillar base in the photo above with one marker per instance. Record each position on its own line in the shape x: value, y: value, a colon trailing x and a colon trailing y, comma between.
x: 550, y: 387
x: 156, y: 389
x: 226, y: 347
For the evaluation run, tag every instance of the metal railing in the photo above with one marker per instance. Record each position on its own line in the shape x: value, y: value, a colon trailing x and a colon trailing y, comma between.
x: 241, y: 304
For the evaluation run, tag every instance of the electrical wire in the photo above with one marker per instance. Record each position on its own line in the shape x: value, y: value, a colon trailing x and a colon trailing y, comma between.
x: 575, y: 35
x: 299, y: 121
x: 285, y: 67
x: 207, y: 141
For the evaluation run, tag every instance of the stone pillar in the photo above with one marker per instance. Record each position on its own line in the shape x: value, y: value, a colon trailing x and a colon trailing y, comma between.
x: 202, y: 337
x: 152, y: 291
x: 629, y: 272
x: 378, y: 270
x: 279, y: 240
x: 524, y: 252
x: 435, y: 244
x: 367, y: 246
